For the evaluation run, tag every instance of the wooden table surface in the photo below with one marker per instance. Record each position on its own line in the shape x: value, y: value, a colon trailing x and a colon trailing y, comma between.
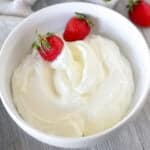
x: 134, y: 136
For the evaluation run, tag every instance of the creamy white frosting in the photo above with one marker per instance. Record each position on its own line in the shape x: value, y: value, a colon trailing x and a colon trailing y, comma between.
x: 87, y: 89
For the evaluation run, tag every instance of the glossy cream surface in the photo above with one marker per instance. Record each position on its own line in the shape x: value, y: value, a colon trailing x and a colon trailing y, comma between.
x: 86, y: 90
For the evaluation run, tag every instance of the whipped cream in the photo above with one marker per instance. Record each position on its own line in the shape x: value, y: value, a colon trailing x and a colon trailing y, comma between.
x: 87, y: 89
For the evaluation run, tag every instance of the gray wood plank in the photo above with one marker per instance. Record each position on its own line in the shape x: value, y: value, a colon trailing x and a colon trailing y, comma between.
x: 146, y: 33
x: 126, y: 139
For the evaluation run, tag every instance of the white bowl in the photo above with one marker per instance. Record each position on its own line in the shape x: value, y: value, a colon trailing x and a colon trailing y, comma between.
x: 54, y: 18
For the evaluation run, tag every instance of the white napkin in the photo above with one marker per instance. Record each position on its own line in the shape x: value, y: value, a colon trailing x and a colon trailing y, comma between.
x: 7, y: 23
x: 23, y: 7
x: 16, y: 7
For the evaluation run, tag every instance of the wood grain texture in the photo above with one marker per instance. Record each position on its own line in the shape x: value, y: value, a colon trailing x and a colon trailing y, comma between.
x: 134, y: 136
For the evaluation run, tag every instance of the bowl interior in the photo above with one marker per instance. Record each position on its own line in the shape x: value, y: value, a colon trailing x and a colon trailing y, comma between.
x: 106, y: 22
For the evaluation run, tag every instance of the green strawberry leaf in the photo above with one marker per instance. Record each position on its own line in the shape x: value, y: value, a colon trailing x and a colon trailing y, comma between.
x: 35, y: 45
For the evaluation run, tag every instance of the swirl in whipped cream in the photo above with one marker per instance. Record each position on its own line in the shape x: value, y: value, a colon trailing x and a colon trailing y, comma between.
x: 87, y: 89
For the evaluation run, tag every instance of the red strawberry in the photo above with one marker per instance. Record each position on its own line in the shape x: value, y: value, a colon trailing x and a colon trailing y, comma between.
x: 139, y: 12
x: 77, y: 28
x: 49, y: 46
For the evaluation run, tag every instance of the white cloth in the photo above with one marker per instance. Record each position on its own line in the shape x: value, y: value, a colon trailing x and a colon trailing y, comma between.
x: 23, y: 7
x: 7, y: 23
x: 16, y: 7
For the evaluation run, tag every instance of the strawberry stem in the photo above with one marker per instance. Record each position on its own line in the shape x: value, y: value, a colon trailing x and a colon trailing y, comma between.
x: 132, y: 3
x: 41, y: 42
x: 49, y: 34
x: 35, y: 45
x: 80, y: 15
x: 107, y: 1
x: 45, y: 44
x: 83, y: 16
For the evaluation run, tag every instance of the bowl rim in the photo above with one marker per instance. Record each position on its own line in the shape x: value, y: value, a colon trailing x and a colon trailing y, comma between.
x: 27, y: 128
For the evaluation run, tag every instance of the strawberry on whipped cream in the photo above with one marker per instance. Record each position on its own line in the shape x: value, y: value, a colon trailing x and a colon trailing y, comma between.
x: 86, y: 89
